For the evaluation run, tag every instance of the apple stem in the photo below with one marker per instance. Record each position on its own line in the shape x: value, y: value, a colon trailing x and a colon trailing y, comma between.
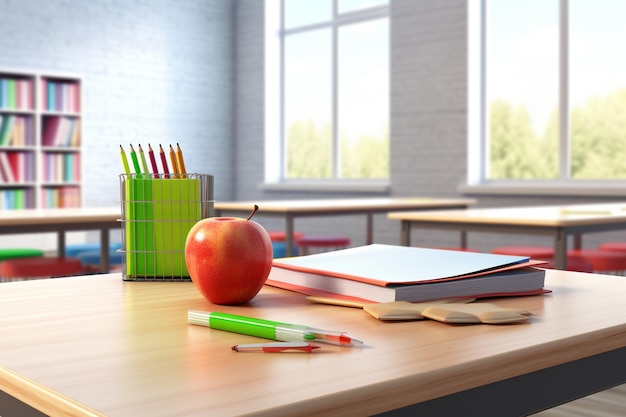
x: 256, y: 208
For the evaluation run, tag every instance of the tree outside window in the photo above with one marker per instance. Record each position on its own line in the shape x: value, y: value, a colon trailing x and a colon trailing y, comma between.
x: 335, y: 89
x: 555, y: 89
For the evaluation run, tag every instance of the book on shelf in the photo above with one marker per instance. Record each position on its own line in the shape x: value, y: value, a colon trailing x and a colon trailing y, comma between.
x: 61, y: 167
x: 16, y: 93
x: 62, y: 96
x: 15, y: 131
x: 382, y: 273
x: 6, y: 167
x: 6, y: 130
x: 61, y: 132
x: 12, y: 199
x: 58, y: 197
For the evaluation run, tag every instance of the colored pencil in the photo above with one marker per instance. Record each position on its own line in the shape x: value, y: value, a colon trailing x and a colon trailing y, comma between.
x: 142, y: 158
x: 124, y: 160
x: 181, y: 161
x: 166, y: 170
x: 175, y: 168
x: 133, y: 156
x: 155, y: 169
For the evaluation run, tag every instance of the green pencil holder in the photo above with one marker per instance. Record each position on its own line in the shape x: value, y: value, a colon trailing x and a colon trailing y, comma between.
x: 157, y: 213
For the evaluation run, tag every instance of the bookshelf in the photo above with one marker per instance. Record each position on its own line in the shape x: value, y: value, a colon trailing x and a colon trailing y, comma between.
x: 40, y: 140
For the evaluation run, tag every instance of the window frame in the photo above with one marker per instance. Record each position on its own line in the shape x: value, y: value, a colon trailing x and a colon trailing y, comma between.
x: 275, y: 135
x: 478, y: 114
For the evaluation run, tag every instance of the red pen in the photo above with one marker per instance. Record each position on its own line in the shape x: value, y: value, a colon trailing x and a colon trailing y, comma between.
x: 276, y: 347
x: 166, y: 170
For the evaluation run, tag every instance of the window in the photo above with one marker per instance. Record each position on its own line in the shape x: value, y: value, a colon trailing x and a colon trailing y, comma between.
x: 552, y: 91
x: 333, y: 91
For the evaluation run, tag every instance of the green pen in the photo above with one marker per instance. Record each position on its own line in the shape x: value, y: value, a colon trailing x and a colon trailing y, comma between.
x: 268, y: 329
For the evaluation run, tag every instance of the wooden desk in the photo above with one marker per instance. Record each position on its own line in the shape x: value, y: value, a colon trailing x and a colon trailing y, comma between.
x: 89, y: 346
x: 61, y: 221
x: 290, y: 209
x: 556, y: 221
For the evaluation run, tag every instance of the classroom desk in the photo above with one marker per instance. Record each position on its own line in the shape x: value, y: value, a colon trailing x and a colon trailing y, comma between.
x: 101, y: 346
x: 64, y: 220
x: 290, y: 209
x: 556, y: 221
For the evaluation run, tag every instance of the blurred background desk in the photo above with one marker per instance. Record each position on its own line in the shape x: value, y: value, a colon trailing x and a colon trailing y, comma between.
x: 556, y: 221
x: 64, y: 220
x: 290, y: 209
x: 101, y: 346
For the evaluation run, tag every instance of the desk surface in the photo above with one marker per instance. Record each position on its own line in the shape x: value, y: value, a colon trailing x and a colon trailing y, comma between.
x: 96, y: 344
x: 29, y: 217
x: 342, y: 205
x: 545, y: 216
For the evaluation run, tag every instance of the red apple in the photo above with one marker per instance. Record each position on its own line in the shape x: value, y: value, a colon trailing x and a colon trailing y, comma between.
x: 228, y: 258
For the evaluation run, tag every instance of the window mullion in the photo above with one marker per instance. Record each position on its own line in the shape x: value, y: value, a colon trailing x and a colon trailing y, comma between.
x: 484, y: 109
x: 281, y: 101
x: 335, y: 94
x: 564, y: 116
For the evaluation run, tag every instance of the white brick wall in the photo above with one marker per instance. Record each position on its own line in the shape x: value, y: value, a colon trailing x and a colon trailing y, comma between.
x: 157, y: 71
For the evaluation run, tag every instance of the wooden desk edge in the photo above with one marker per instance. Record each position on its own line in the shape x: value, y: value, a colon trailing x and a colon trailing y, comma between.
x: 40, y: 397
x: 376, y: 399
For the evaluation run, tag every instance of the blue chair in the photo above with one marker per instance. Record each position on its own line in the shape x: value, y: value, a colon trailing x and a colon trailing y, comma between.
x: 280, y: 249
x: 91, y: 259
x: 75, y: 249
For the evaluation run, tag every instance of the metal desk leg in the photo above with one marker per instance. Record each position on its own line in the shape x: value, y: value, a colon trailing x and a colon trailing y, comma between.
x: 105, y: 262
x: 289, y: 235
x: 370, y: 228
x: 578, y: 241
x: 560, y: 250
x: 61, y: 243
x: 405, y: 233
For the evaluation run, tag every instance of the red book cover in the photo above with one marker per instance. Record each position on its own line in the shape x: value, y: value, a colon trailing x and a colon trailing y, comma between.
x: 16, y: 164
x: 50, y: 129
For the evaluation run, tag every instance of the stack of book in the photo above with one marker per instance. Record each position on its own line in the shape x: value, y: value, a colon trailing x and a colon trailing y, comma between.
x: 383, y: 273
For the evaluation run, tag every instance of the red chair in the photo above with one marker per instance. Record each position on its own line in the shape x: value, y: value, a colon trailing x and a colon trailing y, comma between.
x: 278, y: 236
x: 43, y: 267
x: 613, y: 246
x: 533, y: 252
x: 545, y: 253
x: 576, y: 265
x: 603, y: 261
x: 306, y: 243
